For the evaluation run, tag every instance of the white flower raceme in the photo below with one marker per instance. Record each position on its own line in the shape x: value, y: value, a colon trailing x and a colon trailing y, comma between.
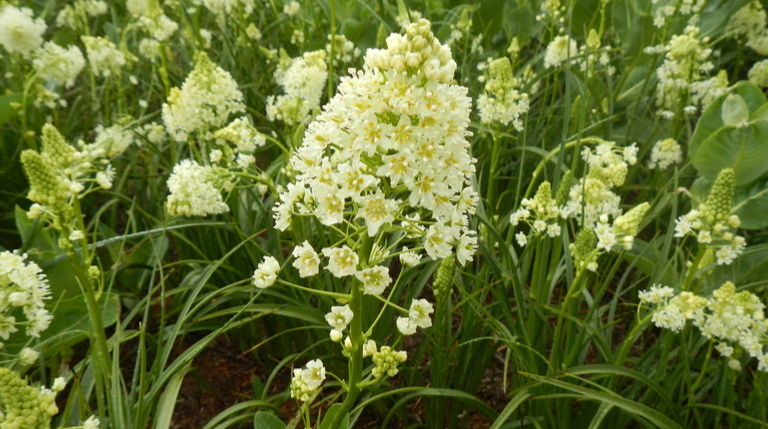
x: 204, y: 103
x: 303, y: 82
x: 502, y: 101
x: 76, y: 14
x: 196, y: 189
x: 684, y: 71
x: 22, y: 286
x: 389, y: 152
x: 58, y: 65
x: 266, y: 273
x: 560, y: 50
x: 20, y: 31
x: 665, y: 153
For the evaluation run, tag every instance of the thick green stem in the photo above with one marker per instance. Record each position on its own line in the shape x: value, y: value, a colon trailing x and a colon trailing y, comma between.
x: 356, y: 336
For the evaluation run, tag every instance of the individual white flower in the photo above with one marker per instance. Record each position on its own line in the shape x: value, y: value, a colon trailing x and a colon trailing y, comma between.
x: 307, y: 261
x: 374, y: 279
x: 266, y: 273
x: 292, y: 8
x: 59, y: 383
x: 420, y: 312
x: 409, y: 258
x: 339, y: 317
x: 342, y: 261
x: 91, y: 423
x: 406, y: 326
x: 28, y: 356
x: 20, y: 31
x: 369, y: 348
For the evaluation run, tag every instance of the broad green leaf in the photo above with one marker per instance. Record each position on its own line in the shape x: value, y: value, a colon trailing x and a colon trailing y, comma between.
x: 735, y: 111
x: 330, y: 415
x: 7, y: 103
x: 266, y: 420
x: 752, y: 205
x: 711, y: 120
x: 745, y: 149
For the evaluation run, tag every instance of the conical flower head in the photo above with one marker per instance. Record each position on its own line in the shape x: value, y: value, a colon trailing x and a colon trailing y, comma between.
x: 720, y: 199
x: 45, y: 186
x: 394, y: 136
x: 56, y: 151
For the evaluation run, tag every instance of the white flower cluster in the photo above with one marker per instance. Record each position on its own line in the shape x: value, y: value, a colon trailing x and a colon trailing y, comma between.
x: 750, y: 23
x: 591, y: 199
x: 390, y: 150
x: 758, y: 74
x: 541, y: 212
x: 303, y: 82
x: 560, y: 50
x: 243, y: 138
x: 195, y: 190
x: 665, y: 153
x: 104, y: 58
x: 111, y: 141
x: 76, y: 15
x: 735, y: 319
x: 344, y: 51
x: 22, y: 285
x: 205, y: 101
x: 665, y: 9
x: 682, y: 75
x: 308, y: 380
x: 58, y: 65
x: 712, y: 222
x: 20, y: 31
x: 501, y: 101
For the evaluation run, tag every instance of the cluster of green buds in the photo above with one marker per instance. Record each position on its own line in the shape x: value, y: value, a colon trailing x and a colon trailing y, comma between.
x: 23, y: 406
